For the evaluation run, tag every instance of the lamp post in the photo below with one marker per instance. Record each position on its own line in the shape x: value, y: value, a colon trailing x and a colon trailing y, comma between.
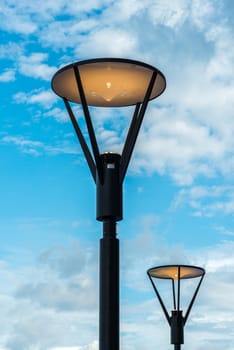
x: 176, y: 273
x: 108, y: 82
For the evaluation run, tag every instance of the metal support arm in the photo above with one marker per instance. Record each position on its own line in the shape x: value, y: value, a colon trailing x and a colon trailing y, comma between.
x: 193, y: 299
x: 84, y: 146
x: 135, y: 128
x: 89, y: 124
x: 160, y: 300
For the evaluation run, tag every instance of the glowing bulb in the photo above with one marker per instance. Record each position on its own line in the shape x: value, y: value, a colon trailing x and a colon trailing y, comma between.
x: 111, y: 93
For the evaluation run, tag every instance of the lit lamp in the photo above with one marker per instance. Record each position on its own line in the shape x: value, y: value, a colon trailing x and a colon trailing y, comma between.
x: 108, y: 82
x: 176, y: 273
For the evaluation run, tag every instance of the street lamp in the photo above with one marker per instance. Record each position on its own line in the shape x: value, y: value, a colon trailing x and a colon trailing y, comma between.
x: 108, y: 82
x: 176, y: 273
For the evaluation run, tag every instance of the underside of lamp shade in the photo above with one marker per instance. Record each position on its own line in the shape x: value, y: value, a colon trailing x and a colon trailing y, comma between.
x: 108, y: 82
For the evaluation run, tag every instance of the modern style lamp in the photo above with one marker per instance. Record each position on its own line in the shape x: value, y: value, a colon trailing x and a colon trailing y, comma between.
x: 176, y: 273
x: 108, y: 82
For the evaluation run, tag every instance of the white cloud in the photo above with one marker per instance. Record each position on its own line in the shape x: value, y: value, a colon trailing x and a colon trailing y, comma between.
x: 180, y: 147
x: 126, y: 10
x: 58, y: 114
x: 39, y: 320
x: 26, y: 146
x: 203, y: 13
x: 91, y: 346
x: 220, y: 66
x: 7, y: 75
x: 206, y: 201
x: 37, y: 148
x: 224, y: 230
x: 11, y: 50
x: 121, y: 43
x: 46, y: 98
x: 55, y: 294
x: 30, y: 19
x: 167, y: 13
x: 146, y: 250
x: 189, y: 135
x: 47, y: 310
x: 15, y: 22
x: 67, y: 34
x: 33, y: 66
x: 109, y: 140
x: 66, y: 262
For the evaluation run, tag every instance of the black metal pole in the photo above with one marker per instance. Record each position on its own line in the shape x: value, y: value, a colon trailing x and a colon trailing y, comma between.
x: 177, y: 346
x: 109, y: 288
x: 109, y: 211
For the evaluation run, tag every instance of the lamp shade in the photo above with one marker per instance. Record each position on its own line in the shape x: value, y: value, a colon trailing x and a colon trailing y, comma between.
x: 110, y: 82
x: 176, y: 272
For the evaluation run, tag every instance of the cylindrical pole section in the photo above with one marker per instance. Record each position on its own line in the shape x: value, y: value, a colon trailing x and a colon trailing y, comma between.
x: 109, y: 189
x: 109, y: 288
x: 177, y: 327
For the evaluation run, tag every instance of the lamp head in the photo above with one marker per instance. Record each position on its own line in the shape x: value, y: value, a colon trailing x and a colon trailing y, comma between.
x: 176, y: 272
x: 108, y: 82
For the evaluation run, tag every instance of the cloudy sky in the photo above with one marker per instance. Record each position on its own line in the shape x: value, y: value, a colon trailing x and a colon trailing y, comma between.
x: 178, y: 194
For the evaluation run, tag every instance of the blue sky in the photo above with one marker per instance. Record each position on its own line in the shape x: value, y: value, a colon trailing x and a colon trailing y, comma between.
x: 178, y: 193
